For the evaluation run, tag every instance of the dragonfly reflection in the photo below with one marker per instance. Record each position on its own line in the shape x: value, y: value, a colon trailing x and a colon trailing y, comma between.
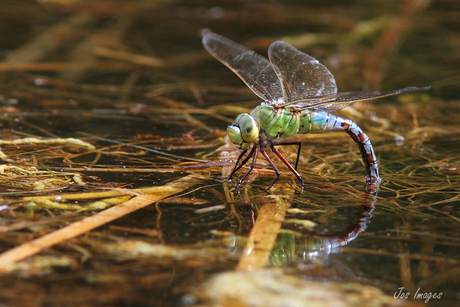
x: 298, y: 95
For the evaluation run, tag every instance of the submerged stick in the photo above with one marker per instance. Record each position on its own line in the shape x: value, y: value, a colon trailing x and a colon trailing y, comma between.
x: 265, y: 231
x: 78, y: 228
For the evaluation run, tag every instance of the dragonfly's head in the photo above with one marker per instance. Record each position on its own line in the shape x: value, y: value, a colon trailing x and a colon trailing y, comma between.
x: 243, y: 131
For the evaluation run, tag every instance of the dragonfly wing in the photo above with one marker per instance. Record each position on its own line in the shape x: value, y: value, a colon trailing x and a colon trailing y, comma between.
x: 301, y: 76
x: 252, y: 68
x: 341, y: 100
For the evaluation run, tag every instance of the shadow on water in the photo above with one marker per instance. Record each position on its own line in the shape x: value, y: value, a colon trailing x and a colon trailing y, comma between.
x: 114, y: 156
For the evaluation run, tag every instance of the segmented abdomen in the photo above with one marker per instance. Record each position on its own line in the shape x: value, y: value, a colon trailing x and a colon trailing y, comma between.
x: 285, y: 122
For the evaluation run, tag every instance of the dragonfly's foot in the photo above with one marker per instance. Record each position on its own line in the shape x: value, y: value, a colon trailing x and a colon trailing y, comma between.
x: 273, y: 182
x: 237, y: 192
x: 302, y: 184
x: 238, y: 183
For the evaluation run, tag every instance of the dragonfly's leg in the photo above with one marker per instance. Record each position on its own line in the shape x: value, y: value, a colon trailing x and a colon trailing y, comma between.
x: 299, y: 144
x: 254, y: 152
x: 237, y: 167
x: 364, y: 144
x: 250, y: 154
x: 277, y: 172
x: 288, y: 164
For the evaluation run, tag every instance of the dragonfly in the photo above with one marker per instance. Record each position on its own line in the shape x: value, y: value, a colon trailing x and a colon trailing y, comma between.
x: 299, y: 94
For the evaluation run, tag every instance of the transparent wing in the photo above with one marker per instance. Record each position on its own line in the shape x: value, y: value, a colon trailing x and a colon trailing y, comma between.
x: 341, y: 100
x: 252, y: 68
x: 301, y: 76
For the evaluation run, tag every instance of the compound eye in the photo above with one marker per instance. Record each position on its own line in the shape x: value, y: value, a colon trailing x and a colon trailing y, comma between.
x: 235, y: 135
x: 237, y: 119
x: 249, y: 128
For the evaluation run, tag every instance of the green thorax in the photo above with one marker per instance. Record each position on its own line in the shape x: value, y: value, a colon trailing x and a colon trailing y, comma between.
x: 287, y: 121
